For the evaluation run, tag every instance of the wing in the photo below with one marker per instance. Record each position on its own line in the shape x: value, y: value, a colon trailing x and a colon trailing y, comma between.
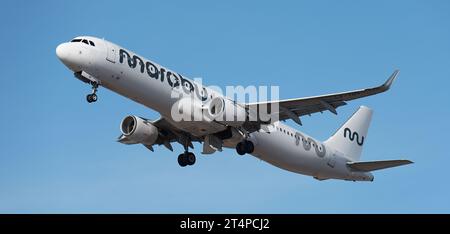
x: 166, y: 135
x: 294, y: 108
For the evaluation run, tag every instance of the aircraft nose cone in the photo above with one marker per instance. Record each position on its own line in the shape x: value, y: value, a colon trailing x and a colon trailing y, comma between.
x: 65, y: 53
x: 62, y: 52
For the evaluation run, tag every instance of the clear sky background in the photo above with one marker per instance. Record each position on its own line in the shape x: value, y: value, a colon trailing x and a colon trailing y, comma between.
x: 58, y: 153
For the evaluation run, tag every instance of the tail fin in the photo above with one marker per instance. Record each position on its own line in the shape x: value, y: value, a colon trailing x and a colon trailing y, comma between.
x: 349, y: 139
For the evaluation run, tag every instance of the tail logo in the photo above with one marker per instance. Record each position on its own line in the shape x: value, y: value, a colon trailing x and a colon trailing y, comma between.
x: 353, y: 136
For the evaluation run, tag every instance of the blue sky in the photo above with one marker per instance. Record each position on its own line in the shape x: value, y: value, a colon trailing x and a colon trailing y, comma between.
x: 58, y: 154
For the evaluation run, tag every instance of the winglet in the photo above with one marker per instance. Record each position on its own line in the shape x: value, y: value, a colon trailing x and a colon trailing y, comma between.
x: 391, y: 79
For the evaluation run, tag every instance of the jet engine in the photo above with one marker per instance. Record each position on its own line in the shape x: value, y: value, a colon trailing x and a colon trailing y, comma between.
x: 226, y: 111
x: 138, y: 130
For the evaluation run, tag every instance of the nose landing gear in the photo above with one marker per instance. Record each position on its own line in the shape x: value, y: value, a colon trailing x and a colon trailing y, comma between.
x: 93, y: 96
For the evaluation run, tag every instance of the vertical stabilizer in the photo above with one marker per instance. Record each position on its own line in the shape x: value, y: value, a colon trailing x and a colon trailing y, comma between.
x: 350, y: 138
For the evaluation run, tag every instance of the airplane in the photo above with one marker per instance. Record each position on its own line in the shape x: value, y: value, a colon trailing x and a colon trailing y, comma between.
x: 101, y: 63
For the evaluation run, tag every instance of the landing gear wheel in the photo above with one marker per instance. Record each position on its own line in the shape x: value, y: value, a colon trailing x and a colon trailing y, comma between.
x: 190, y: 158
x: 182, y: 160
x: 186, y: 159
x: 93, y: 96
x: 249, y: 147
x: 245, y: 147
x: 240, y: 148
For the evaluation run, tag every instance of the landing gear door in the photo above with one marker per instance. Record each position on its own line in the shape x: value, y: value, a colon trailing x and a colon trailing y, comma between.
x: 111, y: 52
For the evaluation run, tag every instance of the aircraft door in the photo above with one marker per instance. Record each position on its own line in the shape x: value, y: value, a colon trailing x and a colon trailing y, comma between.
x: 111, y: 52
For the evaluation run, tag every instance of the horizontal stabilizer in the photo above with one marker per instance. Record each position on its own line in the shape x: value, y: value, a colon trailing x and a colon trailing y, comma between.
x: 376, y: 165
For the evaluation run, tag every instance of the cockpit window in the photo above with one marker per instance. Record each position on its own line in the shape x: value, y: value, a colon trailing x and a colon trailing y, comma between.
x: 87, y: 42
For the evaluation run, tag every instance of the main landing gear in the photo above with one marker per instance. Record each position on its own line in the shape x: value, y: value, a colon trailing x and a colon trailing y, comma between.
x: 93, y: 96
x: 245, y: 147
x: 186, y: 158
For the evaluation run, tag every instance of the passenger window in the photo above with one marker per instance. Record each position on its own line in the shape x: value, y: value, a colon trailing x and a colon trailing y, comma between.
x: 85, y: 42
x: 92, y: 43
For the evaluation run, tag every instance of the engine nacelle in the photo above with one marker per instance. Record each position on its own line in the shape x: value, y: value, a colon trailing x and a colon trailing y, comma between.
x: 138, y: 130
x: 226, y: 111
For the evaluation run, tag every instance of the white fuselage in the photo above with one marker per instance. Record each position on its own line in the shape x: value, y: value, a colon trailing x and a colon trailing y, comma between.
x: 151, y: 85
